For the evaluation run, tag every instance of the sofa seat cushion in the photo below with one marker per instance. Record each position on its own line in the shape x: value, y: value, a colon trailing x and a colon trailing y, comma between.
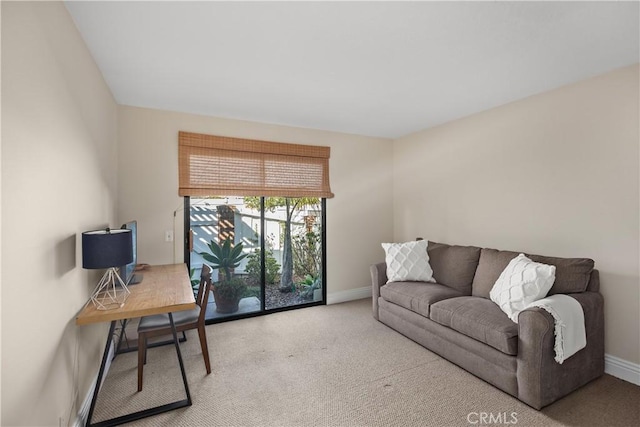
x: 478, y: 318
x: 416, y: 296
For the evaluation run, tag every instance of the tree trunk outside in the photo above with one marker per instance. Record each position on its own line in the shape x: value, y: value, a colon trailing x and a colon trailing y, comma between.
x: 286, y: 279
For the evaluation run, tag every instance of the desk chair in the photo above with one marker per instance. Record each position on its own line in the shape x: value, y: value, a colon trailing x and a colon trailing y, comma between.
x: 157, y: 325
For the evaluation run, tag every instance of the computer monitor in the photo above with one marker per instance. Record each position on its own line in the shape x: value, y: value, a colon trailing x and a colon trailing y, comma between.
x: 127, y: 272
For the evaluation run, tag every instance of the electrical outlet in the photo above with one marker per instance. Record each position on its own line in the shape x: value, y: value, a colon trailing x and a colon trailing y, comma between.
x: 168, y: 236
x: 62, y: 421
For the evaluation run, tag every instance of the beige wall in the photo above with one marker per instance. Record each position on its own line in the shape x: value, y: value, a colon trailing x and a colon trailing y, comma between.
x: 358, y: 217
x: 58, y: 179
x: 554, y: 174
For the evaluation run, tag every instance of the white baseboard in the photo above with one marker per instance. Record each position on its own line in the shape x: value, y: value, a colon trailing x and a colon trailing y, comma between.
x: 83, y: 413
x: 622, y: 369
x: 348, y: 295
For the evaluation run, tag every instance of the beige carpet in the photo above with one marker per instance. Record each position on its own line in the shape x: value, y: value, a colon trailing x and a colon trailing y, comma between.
x: 336, y: 366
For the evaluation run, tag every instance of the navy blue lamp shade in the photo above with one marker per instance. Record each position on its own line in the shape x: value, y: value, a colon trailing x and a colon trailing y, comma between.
x: 106, y: 248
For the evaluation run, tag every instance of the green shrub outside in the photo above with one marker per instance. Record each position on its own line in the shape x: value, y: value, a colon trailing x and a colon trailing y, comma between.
x: 272, y: 273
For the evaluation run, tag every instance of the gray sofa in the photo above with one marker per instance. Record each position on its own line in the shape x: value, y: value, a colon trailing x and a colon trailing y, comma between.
x: 456, y: 319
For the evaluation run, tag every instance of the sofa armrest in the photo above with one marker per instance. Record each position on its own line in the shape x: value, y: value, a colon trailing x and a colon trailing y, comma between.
x: 541, y: 380
x: 378, y: 279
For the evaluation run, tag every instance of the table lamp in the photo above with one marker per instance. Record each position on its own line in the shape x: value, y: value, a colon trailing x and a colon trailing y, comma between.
x: 108, y: 249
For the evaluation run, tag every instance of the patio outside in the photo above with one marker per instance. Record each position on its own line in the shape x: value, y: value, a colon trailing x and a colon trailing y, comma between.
x: 292, y: 270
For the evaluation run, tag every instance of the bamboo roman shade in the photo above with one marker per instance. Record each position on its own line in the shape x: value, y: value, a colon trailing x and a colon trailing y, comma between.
x: 212, y: 165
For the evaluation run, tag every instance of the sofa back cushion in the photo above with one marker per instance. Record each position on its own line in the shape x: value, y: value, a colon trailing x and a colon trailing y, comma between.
x: 572, y: 274
x: 491, y: 264
x: 454, y: 266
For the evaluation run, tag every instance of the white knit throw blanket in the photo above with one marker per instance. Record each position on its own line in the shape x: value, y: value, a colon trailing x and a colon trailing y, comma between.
x: 569, y: 324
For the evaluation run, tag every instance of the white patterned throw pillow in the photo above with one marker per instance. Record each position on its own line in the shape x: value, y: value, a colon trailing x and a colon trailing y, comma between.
x: 521, y: 283
x: 408, y: 262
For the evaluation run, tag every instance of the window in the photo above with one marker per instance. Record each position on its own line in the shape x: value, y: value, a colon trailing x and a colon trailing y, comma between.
x: 263, y: 204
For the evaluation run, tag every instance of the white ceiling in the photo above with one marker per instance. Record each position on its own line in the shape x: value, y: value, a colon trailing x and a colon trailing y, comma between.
x: 370, y: 68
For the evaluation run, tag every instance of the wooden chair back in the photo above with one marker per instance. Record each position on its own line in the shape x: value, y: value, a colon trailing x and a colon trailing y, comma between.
x: 204, y: 290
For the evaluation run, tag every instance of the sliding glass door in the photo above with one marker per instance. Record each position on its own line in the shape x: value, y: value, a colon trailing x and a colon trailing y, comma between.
x: 267, y: 253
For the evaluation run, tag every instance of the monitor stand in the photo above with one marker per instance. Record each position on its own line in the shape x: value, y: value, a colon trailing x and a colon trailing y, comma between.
x: 135, y: 279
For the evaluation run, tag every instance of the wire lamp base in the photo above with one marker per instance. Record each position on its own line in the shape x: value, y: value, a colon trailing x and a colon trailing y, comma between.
x: 111, y: 291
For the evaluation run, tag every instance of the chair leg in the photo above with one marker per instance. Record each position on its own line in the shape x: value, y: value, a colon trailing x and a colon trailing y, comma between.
x: 142, y: 356
x: 205, y: 348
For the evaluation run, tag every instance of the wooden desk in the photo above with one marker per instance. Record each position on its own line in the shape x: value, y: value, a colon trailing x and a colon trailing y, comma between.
x: 163, y: 289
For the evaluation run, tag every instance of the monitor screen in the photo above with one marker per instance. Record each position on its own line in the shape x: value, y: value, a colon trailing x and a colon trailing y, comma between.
x: 126, y: 271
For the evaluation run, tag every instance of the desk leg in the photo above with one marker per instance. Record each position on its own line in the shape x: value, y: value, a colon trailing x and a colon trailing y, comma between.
x: 177, y: 343
x: 112, y: 328
x: 147, y: 412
